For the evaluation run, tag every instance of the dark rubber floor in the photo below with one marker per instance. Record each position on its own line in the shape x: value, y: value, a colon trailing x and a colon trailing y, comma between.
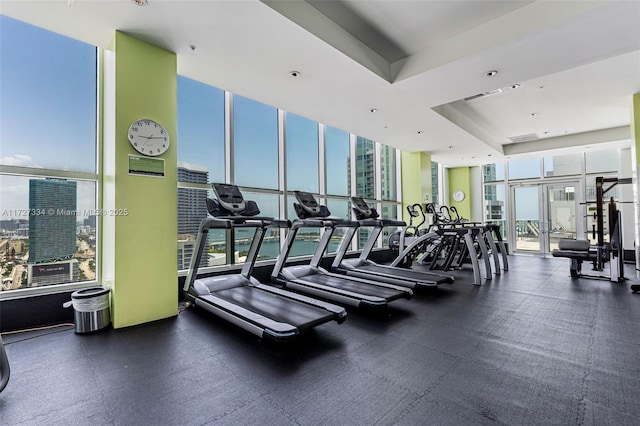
x: 532, y: 347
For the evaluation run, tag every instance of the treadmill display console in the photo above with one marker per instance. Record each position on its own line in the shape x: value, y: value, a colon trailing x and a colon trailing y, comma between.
x: 308, y: 202
x: 229, y: 196
x: 362, y: 210
x: 361, y: 205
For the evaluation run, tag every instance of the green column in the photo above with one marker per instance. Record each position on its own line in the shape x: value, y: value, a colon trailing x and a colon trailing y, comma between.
x: 460, y: 180
x: 140, y: 212
x: 416, y: 179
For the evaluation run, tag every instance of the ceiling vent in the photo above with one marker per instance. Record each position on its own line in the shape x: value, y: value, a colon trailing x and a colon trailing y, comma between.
x: 482, y: 95
x: 525, y: 138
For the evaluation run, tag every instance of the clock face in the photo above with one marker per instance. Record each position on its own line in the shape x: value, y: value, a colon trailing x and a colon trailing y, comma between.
x: 458, y: 196
x: 148, y: 137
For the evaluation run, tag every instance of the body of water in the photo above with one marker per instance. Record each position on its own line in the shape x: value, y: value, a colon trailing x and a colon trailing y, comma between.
x: 270, y: 249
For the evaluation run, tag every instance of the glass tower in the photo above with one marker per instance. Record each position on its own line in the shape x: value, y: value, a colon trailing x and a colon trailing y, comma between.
x: 192, y: 208
x: 52, y: 220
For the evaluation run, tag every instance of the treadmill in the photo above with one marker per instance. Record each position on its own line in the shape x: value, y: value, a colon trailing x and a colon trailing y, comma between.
x: 264, y: 310
x: 363, y: 267
x: 313, y: 280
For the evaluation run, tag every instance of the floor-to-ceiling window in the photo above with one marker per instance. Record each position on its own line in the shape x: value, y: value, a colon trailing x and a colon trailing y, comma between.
x: 201, y: 159
x: 435, y: 183
x: 49, y: 221
x: 539, y: 200
x: 301, y: 148
x: 389, y: 208
x: 269, y: 154
x: 364, y: 183
x: 337, y: 155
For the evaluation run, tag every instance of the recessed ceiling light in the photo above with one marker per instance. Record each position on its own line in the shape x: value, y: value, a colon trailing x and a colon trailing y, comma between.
x: 420, y: 132
x: 373, y: 110
x: 140, y: 2
x: 295, y: 73
x: 533, y: 114
x: 489, y: 155
x: 491, y: 73
x: 450, y: 146
x: 192, y: 47
x: 546, y: 133
x: 515, y: 86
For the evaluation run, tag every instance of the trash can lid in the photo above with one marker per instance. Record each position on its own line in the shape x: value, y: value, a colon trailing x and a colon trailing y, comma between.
x: 89, y: 292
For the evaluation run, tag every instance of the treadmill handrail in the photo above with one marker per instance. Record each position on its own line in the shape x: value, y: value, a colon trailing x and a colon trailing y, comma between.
x: 310, y: 223
x: 251, y: 221
x: 345, y: 223
x: 214, y: 223
x: 382, y: 223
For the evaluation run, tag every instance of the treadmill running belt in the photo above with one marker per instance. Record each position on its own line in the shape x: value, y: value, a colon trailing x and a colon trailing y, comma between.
x: 388, y: 294
x: 275, y: 307
x: 405, y: 273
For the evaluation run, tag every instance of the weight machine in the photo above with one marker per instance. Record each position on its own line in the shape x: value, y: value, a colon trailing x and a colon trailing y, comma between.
x: 612, y: 251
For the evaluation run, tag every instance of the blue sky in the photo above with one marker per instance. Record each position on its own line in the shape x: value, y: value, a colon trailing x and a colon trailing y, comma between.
x: 47, y: 109
x: 255, y: 143
x: 302, y: 153
x: 201, y: 127
x: 47, y: 99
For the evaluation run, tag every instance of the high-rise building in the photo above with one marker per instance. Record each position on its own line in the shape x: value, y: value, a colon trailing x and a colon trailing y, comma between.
x: 90, y: 222
x: 435, y: 183
x: 365, y: 176
x: 490, y: 176
x: 494, y: 208
x: 365, y: 168
x: 192, y: 208
x: 52, y: 220
x: 388, y: 173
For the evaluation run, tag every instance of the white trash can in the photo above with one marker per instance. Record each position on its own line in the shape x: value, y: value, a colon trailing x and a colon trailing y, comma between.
x: 91, y: 309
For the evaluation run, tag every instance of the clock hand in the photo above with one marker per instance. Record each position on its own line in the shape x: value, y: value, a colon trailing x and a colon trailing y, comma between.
x: 148, y: 138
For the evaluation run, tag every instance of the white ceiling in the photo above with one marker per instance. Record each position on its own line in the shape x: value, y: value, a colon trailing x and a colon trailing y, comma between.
x: 577, y: 64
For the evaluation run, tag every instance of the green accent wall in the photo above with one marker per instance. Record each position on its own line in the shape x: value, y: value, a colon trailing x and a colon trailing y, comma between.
x: 460, y: 179
x: 416, y: 179
x: 140, y: 241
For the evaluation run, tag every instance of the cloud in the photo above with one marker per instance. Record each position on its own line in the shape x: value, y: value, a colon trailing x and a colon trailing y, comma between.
x: 16, y: 160
x: 19, y: 160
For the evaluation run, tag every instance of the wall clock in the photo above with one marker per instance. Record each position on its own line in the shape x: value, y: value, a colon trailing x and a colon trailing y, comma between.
x: 148, y: 137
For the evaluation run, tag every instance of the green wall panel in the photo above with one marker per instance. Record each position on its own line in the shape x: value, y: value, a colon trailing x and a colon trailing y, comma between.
x: 460, y: 180
x: 144, y: 286
x: 416, y: 179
